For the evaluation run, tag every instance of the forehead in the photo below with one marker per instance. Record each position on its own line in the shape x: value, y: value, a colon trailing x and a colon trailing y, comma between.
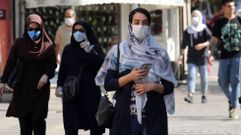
x: 195, y: 14
x: 78, y: 26
x: 139, y: 16
x: 33, y: 25
x: 230, y: 4
x: 69, y: 13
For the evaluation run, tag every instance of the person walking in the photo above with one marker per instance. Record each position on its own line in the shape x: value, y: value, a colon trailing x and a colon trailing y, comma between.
x: 81, y: 58
x: 226, y: 34
x: 30, y: 99
x: 63, y: 33
x: 144, y: 83
x: 197, y: 37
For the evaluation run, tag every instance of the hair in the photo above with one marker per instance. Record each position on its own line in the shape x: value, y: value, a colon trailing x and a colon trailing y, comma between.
x: 140, y: 10
x: 226, y: 1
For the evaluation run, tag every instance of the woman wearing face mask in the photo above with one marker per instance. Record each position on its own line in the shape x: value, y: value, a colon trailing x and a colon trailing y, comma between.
x: 81, y: 58
x: 143, y: 95
x: 30, y: 98
x: 196, y: 37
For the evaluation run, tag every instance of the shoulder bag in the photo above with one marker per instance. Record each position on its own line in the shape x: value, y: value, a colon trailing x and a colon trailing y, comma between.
x: 16, y: 74
x: 106, y: 109
x: 70, y: 88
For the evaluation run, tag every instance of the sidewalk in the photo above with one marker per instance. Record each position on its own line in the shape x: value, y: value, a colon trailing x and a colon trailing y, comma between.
x: 189, y: 119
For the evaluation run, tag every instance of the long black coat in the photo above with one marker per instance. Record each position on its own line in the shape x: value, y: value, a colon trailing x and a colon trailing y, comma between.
x: 156, y: 115
x: 83, y: 107
x: 27, y: 98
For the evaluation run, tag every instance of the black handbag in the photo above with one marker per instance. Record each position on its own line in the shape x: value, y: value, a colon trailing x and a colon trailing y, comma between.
x: 15, y: 76
x: 106, y: 109
x: 70, y: 88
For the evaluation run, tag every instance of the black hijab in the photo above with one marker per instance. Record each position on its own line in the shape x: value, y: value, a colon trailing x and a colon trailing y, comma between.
x: 89, y: 33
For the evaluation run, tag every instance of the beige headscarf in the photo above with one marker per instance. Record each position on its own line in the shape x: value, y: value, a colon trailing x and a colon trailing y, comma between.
x: 40, y: 49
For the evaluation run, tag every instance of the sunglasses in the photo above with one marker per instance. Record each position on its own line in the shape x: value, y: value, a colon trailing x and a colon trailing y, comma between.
x: 31, y: 29
x: 80, y: 30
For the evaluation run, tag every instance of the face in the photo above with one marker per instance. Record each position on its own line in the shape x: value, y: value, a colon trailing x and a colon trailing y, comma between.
x: 79, y: 28
x: 139, y: 19
x: 33, y: 26
x: 69, y: 14
x: 229, y: 8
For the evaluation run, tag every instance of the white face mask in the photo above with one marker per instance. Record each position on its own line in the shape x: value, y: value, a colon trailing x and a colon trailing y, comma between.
x: 195, y: 21
x: 79, y: 36
x: 140, y: 31
x: 69, y: 21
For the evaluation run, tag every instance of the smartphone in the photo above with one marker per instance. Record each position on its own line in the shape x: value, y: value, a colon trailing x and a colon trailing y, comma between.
x: 146, y: 66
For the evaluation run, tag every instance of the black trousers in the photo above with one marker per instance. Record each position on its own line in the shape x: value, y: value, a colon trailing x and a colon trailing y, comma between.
x: 32, y: 124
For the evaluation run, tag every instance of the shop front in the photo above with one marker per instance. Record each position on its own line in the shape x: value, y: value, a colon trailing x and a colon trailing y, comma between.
x: 109, y: 19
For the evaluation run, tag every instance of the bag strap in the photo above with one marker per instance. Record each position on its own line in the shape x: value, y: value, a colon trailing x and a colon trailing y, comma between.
x: 118, y: 58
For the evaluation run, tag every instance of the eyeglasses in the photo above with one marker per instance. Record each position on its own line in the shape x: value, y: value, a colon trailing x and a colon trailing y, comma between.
x: 31, y: 29
x: 80, y: 30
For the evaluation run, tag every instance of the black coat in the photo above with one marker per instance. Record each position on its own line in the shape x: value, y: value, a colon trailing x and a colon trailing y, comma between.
x: 82, y: 108
x: 26, y: 97
x: 156, y: 116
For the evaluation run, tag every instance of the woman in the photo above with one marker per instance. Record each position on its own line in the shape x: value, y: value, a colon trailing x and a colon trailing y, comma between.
x: 83, y: 58
x: 30, y: 99
x: 140, y: 92
x: 196, y: 37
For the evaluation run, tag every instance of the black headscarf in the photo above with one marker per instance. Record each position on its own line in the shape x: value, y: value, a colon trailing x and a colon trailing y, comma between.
x: 89, y: 33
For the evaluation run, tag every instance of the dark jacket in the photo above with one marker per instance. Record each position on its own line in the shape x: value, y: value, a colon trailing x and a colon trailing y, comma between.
x: 156, y: 115
x: 26, y: 97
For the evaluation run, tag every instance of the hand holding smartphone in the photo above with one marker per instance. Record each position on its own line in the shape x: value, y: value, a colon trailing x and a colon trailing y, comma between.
x: 146, y: 66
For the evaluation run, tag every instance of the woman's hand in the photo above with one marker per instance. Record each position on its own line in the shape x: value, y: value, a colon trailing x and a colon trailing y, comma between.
x: 59, y: 91
x: 86, y: 46
x: 2, y: 88
x: 142, y: 88
x: 43, y: 80
x: 137, y: 74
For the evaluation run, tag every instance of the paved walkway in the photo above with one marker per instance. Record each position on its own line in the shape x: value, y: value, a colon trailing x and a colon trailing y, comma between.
x: 189, y: 119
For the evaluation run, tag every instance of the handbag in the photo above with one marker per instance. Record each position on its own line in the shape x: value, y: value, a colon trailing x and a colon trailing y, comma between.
x: 16, y: 74
x: 106, y: 109
x: 70, y: 88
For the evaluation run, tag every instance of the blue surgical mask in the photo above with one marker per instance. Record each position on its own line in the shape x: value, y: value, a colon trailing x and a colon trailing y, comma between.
x: 34, y: 34
x: 79, y: 36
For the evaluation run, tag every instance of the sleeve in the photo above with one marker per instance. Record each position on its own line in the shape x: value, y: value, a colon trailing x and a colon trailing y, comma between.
x: 57, y: 40
x: 208, y: 34
x: 168, y: 87
x: 96, y: 57
x: 111, y: 80
x: 11, y: 62
x: 185, y: 40
x: 216, y: 30
x: 51, y: 66
x: 62, y: 70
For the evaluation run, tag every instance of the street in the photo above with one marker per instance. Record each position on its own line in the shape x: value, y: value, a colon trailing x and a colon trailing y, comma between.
x: 190, y: 119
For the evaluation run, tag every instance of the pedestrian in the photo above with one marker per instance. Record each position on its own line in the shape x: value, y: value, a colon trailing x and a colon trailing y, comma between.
x: 197, y: 38
x: 140, y: 90
x: 30, y: 99
x: 63, y: 33
x: 226, y: 34
x: 83, y: 58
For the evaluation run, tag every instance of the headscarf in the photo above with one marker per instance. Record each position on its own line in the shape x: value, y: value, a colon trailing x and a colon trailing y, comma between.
x: 89, y: 33
x: 194, y: 29
x: 37, y: 50
x: 133, y: 54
